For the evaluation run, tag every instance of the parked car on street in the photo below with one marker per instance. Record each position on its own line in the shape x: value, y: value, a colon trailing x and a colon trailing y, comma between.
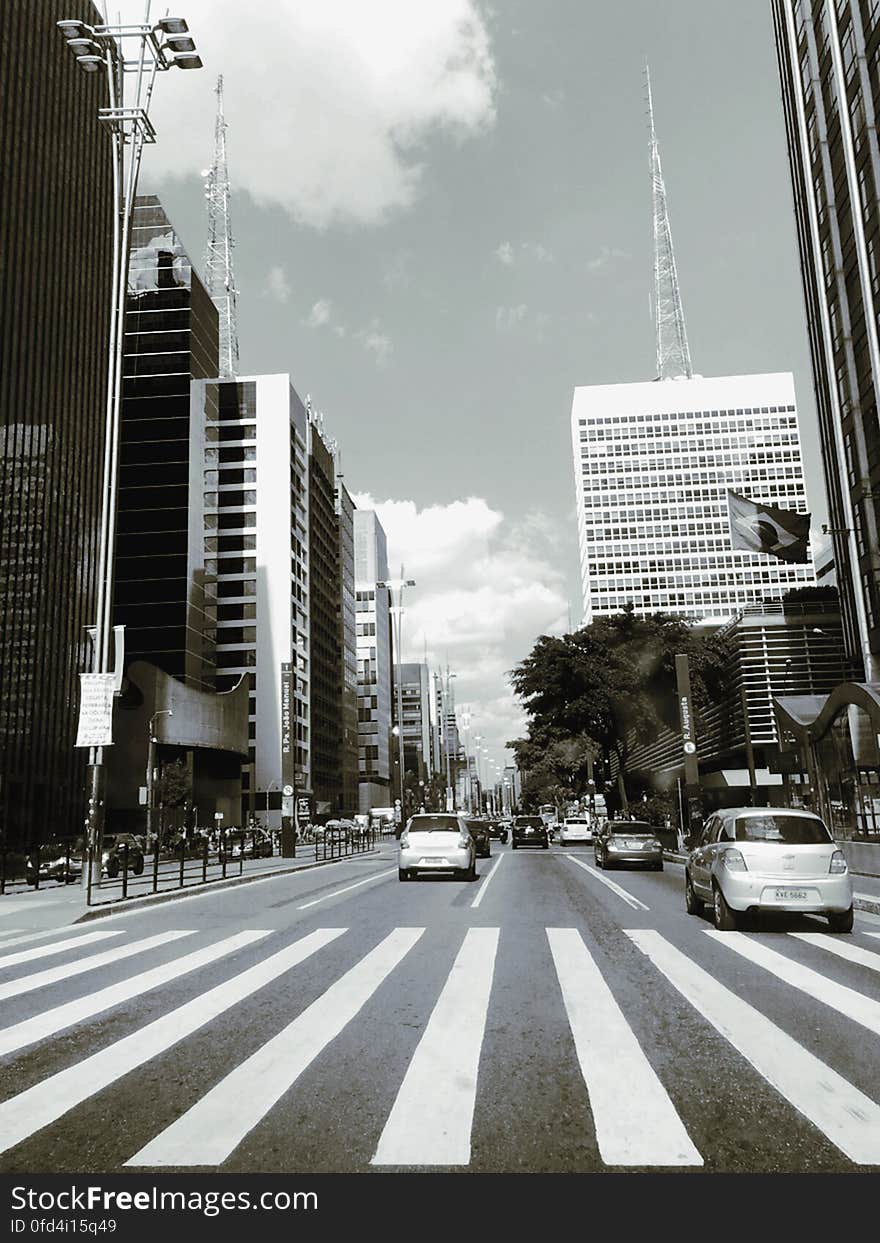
x: 436, y: 842
x: 752, y: 859
x: 59, y: 859
x: 628, y: 841
x: 479, y: 831
x: 113, y: 854
x: 529, y: 831
x: 575, y: 829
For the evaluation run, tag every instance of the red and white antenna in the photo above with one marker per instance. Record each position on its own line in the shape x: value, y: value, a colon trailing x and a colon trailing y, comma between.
x: 219, y: 277
x: 673, y: 355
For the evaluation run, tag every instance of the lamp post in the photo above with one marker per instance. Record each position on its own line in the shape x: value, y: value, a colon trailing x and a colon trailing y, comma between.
x: 151, y: 765
x: 444, y: 708
x: 397, y: 585
x: 131, y: 54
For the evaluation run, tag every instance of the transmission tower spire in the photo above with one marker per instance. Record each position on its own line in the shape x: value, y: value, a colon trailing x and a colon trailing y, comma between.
x: 673, y: 355
x: 219, y: 276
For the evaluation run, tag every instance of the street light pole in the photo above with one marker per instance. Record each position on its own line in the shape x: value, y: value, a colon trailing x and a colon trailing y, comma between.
x: 444, y: 703
x: 151, y: 765
x: 157, y: 47
x: 392, y: 585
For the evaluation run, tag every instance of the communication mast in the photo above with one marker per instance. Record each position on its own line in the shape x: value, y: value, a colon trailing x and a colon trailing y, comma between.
x: 673, y: 355
x: 219, y: 276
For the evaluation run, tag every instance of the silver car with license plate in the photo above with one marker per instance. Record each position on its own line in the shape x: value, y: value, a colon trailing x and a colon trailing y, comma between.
x: 751, y: 859
x: 438, y: 842
x: 628, y: 841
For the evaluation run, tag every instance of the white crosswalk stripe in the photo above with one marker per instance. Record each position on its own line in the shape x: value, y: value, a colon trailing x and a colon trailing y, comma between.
x: 845, y: 1000
x: 638, y: 1126
x: 40, y: 979
x: 41, y: 1026
x: 57, y: 947
x: 845, y: 1115
x: 431, y: 1119
x: 213, y: 1128
x: 30, y: 937
x: 853, y: 953
x: 28, y: 1112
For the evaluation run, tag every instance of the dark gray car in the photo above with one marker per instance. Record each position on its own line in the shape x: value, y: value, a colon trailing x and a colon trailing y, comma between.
x: 631, y: 842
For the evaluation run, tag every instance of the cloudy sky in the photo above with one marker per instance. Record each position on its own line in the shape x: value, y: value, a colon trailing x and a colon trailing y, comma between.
x: 442, y: 219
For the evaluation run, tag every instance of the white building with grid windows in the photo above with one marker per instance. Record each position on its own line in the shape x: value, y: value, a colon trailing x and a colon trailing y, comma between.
x: 653, y: 462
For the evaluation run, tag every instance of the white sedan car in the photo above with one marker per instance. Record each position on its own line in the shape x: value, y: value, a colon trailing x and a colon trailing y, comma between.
x: 438, y: 842
x: 575, y: 829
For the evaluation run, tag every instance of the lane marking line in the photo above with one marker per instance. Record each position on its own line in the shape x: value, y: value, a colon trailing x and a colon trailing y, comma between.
x: 635, y: 903
x: 347, y: 889
x: 214, y: 1127
x: 848, y: 1118
x: 432, y: 1116
x: 485, y: 885
x: 23, y: 1115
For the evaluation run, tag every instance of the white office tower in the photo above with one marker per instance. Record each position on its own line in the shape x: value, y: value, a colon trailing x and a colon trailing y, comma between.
x: 256, y: 523
x: 373, y: 618
x: 653, y: 462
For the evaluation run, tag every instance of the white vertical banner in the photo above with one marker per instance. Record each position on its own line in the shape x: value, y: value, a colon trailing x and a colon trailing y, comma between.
x: 95, y: 728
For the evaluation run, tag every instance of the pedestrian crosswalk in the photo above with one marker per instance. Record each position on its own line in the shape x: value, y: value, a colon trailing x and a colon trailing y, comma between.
x: 634, y: 1114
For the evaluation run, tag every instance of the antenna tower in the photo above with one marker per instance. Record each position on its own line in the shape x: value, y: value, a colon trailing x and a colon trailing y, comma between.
x: 673, y: 355
x: 219, y: 276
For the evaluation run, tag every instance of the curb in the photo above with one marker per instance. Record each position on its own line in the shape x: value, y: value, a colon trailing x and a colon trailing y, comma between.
x: 121, y: 905
x: 871, y: 905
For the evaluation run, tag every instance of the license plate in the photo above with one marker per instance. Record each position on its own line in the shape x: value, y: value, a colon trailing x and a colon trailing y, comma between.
x: 791, y: 895
x: 433, y: 863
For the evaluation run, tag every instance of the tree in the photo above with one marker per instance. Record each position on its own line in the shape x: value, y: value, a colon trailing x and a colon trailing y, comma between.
x: 611, y: 683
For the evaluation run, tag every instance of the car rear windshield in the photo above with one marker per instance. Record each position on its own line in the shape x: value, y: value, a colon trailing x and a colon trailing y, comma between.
x: 632, y: 828
x: 433, y: 824
x: 531, y: 822
x: 575, y: 820
x: 788, y: 830
x: 477, y: 826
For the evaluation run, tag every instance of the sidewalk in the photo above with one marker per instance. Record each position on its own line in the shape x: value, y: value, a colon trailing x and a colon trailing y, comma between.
x: 52, y: 906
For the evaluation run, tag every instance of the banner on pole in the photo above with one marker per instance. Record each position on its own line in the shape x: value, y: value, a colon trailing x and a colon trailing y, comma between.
x: 95, y: 727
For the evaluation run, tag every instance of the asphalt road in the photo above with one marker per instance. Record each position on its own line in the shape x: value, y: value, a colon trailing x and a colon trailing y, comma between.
x: 546, y: 1018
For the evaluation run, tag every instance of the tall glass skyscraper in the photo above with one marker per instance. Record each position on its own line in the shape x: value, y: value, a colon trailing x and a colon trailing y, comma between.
x: 829, y: 67
x: 653, y: 463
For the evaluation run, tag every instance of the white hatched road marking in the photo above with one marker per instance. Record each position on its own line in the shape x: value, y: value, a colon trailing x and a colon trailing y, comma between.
x: 57, y: 947
x: 5, y: 933
x: 336, y: 892
x: 42, y: 936
x: 849, y: 1119
x: 216, y: 1125
x: 37, y: 1107
x: 853, y: 953
x: 845, y: 1000
x: 618, y: 889
x: 431, y: 1119
x: 635, y: 1126
x: 118, y: 953
x: 485, y: 885
x: 41, y: 1026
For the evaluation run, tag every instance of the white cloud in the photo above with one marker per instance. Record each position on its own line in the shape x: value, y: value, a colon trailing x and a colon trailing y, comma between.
x: 504, y: 254
x: 277, y: 284
x: 320, y: 314
x: 520, y: 320
x: 606, y: 255
x: 328, y: 105
x: 372, y: 337
x: 485, y: 589
x: 375, y: 342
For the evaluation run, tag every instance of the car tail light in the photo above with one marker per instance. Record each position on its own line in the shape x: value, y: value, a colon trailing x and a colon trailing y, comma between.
x: 734, y: 861
x: 838, y: 862
x: 464, y: 841
x: 404, y: 841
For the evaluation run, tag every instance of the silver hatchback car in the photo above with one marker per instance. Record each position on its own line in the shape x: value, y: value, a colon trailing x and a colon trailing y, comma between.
x: 750, y: 859
x: 438, y: 842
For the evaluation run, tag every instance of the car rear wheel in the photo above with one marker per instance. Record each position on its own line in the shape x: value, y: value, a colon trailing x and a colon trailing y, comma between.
x: 138, y: 867
x: 841, y: 921
x: 513, y: 846
x: 599, y: 861
x: 402, y: 874
x: 725, y: 919
x: 693, y: 904
x: 658, y: 867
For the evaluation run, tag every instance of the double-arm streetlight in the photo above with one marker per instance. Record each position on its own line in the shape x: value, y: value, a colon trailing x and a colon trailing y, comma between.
x: 131, y: 54
x: 392, y: 586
